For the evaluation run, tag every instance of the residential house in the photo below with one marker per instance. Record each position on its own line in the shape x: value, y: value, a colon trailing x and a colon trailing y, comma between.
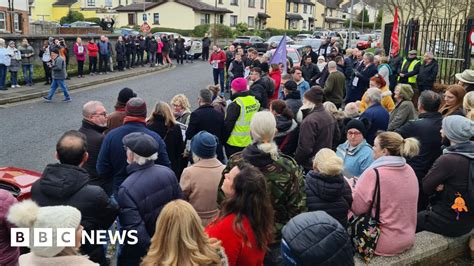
x: 328, y: 14
x: 54, y: 10
x: 359, y: 5
x: 252, y: 12
x: 14, y: 16
x: 181, y: 14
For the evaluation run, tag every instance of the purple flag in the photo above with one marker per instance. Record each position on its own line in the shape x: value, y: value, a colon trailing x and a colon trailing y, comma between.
x: 279, y: 56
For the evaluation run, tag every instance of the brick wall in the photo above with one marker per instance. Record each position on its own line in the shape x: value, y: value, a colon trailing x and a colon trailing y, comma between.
x: 24, y: 21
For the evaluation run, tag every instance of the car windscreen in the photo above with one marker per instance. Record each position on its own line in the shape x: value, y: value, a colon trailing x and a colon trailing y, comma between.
x: 242, y: 39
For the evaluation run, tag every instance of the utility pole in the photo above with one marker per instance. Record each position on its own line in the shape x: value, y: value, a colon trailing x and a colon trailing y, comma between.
x: 363, y: 15
x: 350, y: 25
x: 325, y: 13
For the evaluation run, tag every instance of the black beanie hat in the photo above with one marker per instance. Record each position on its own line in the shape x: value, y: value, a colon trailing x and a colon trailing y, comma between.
x: 136, y: 107
x: 126, y: 94
x: 290, y: 85
x: 357, y: 124
x: 314, y: 95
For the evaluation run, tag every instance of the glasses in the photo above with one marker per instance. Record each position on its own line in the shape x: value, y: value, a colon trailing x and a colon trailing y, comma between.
x: 104, y: 114
x: 353, y: 133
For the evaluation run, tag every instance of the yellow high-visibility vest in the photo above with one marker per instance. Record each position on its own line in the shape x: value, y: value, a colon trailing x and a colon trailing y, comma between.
x: 412, y: 65
x: 240, y: 135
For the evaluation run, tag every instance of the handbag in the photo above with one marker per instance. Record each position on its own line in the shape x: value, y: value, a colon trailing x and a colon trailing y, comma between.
x: 364, y: 230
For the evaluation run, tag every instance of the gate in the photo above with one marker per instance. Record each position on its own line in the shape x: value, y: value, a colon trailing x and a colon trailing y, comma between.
x: 446, y: 39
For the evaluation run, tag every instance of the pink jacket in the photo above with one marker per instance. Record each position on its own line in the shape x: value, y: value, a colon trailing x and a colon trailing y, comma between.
x: 160, y: 47
x: 80, y: 56
x: 8, y: 255
x: 77, y: 260
x: 398, y: 204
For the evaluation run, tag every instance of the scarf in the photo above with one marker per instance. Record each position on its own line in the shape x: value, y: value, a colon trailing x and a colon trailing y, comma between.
x: 129, y: 119
x: 394, y: 161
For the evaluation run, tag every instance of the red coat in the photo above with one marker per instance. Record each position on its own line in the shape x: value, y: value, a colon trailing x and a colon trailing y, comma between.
x: 93, y: 49
x: 276, y: 76
x: 237, y: 252
x: 219, y: 56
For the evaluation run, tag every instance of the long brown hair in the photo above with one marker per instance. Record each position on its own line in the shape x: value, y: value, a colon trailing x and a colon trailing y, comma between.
x: 164, y: 110
x: 251, y: 199
x: 280, y: 107
x: 458, y: 91
x: 179, y: 239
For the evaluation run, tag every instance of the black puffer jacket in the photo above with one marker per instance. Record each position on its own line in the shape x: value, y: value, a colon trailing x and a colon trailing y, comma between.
x: 95, y: 136
x: 315, y: 238
x: 331, y: 194
x: 63, y: 184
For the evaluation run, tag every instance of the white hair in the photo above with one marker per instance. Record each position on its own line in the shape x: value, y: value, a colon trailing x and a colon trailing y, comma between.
x: 263, y: 129
x: 90, y: 108
x: 140, y: 160
x: 332, y: 65
x: 374, y: 95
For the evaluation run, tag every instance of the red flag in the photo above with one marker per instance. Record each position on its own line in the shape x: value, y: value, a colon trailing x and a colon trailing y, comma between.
x: 395, y: 44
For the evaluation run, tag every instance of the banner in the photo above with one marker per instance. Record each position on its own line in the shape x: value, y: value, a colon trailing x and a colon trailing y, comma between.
x: 394, y: 42
x: 279, y: 56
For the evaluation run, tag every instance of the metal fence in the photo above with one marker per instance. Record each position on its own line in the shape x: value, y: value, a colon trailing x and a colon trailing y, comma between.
x: 446, y: 39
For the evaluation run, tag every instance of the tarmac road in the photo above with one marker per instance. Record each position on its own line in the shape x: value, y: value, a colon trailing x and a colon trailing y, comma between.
x: 29, y: 130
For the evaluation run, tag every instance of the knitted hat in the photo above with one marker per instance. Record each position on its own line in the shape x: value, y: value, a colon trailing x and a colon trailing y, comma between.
x: 126, y: 94
x: 204, y: 145
x: 314, y: 95
x: 458, y: 128
x: 356, y: 124
x: 239, y: 84
x: 406, y: 91
x: 28, y: 214
x: 136, y: 107
x: 141, y: 143
x: 291, y: 85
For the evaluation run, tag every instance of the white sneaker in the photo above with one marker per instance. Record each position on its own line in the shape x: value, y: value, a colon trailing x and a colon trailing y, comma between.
x: 13, y: 86
x: 18, y: 86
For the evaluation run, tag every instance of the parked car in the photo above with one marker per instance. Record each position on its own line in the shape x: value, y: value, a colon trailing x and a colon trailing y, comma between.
x: 441, y: 47
x: 301, y: 37
x: 82, y: 24
x: 277, y: 38
x: 293, y: 53
x: 345, y: 38
x: 251, y: 41
x: 18, y: 181
x: 366, y: 41
x: 315, y: 43
x: 126, y: 32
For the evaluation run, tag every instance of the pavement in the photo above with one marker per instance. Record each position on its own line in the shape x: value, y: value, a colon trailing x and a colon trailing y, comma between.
x: 39, y: 89
x: 31, y: 128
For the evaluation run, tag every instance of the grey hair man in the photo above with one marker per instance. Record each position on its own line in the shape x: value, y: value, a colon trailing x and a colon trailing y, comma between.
x: 375, y: 114
x: 428, y: 71
x: 335, y: 85
x: 94, y: 123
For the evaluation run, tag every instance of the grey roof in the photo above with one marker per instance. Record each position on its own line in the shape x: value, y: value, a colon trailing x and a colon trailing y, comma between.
x: 334, y: 20
x: 306, y: 2
x: 293, y: 16
x: 194, y: 4
x: 333, y: 4
x: 64, y: 2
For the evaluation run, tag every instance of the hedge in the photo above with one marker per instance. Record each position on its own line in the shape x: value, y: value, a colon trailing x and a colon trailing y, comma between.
x: 367, y: 25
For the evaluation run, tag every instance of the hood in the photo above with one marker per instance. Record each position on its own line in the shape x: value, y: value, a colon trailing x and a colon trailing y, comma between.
x: 62, y: 180
x: 256, y: 157
x: 465, y: 149
x: 283, y: 123
x: 328, y: 188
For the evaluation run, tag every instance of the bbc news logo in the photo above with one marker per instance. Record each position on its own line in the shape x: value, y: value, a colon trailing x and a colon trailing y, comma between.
x: 66, y: 237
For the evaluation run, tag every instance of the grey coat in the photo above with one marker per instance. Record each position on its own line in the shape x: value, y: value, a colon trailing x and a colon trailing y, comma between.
x: 59, y: 69
x: 404, y: 111
x: 27, y: 54
x: 15, y: 64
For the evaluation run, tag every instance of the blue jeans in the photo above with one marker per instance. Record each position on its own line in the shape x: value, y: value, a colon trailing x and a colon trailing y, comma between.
x: 3, y: 76
x: 54, y: 87
x: 14, y: 77
x: 28, y: 74
x: 218, y: 74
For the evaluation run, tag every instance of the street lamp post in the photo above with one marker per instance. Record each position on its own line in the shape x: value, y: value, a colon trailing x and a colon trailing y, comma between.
x: 350, y: 25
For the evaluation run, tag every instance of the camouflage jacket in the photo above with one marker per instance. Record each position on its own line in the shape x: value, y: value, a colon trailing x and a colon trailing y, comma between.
x: 285, y: 180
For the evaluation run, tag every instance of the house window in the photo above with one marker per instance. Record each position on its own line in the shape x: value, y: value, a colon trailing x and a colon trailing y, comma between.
x: 205, y: 19
x: 304, y: 24
x: 251, y: 22
x: 2, y: 21
x: 305, y: 9
x: 234, y: 2
x: 295, y: 8
x: 131, y: 19
x: 251, y: 3
x: 90, y: 3
x: 287, y: 6
x: 294, y: 24
x: 262, y: 4
x: 221, y: 2
x: 221, y: 19
x: 16, y: 21
x: 108, y: 3
x: 156, y: 18
x: 233, y: 21
x: 311, y: 9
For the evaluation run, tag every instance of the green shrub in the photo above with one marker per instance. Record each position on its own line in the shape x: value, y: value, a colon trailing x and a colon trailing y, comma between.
x: 367, y: 25
x: 221, y: 31
x: 200, y: 30
x: 72, y: 16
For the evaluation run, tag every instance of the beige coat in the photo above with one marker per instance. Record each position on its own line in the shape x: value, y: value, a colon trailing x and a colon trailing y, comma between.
x: 199, y: 184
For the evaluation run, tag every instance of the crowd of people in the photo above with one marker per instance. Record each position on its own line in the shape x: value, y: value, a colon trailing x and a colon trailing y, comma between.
x: 273, y: 175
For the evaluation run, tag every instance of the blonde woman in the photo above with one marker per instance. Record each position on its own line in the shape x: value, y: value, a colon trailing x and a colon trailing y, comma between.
x: 181, y: 108
x: 398, y: 192
x: 180, y: 239
x: 468, y: 105
x: 163, y: 122
x: 326, y: 188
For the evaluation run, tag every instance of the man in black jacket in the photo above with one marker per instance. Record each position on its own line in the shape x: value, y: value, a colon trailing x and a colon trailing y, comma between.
x: 94, y: 123
x: 309, y: 53
x: 65, y: 183
x: 205, y: 117
x: 310, y: 71
x: 260, y: 87
x: 426, y: 129
x: 428, y: 71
